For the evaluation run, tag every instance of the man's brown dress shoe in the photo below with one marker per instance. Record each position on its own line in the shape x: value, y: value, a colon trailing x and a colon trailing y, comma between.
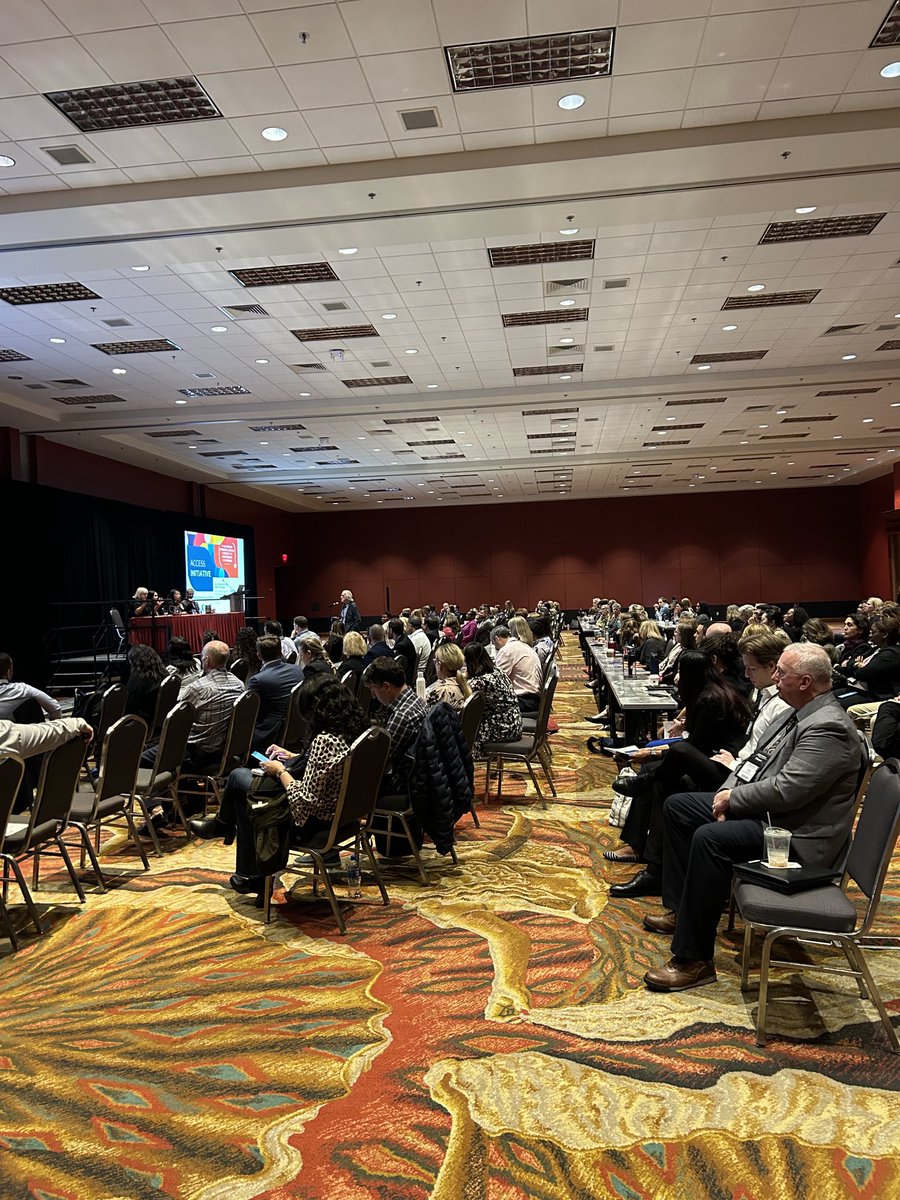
x: 679, y: 974
x: 661, y: 922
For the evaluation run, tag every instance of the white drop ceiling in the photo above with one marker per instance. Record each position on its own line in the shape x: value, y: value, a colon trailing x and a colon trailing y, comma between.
x: 711, y: 126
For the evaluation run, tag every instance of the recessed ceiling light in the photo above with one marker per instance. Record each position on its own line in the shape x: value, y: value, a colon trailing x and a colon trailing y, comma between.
x: 430, y: 386
x: 361, y: 438
x: 868, y: 420
x: 218, y: 328
x: 662, y: 432
x: 756, y: 287
x: 870, y: 460
x: 790, y: 464
x: 773, y: 472
x: 467, y: 445
x: 847, y: 357
x: 671, y: 418
x: 348, y: 250
x: 306, y: 395
x: 566, y: 303
x: 831, y: 477
x: 566, y: 341
x: 729, y: 328
x: 6, y: 161
x: 837, y: 437
x: 803, y: 211
x: 568, y: 232
x: 274, y: 133
x: 119, y: 371
x: 58, y: 341
x: 573, y: 101
x: 262, y: 361
x: 410, y: 352
x: 780, y: 412
x: 142, y: 267
x: 389, y: 316
x: 377, y: 449
x: 192, y: 447
x: 565, y: 376
x: 745, y: 442
x: 181, y: 401
x: 763, y: 427
x: 895, y: 404
x: 704, y: 367
x: 891, y: 71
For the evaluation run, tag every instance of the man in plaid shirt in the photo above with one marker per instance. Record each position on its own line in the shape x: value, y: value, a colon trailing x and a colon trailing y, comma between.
x: 401, y: 714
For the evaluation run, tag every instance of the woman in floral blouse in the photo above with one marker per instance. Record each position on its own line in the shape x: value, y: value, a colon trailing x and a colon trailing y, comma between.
x: 502, y: 720
x: 450, y: 685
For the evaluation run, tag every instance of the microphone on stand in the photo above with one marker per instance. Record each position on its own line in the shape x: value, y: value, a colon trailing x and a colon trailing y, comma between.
x: 335, y: 604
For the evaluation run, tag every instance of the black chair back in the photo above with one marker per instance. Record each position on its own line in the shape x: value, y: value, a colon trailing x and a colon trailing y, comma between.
x: 363, y: 769
x: 545, y: 704
x: 876, y: 831
x: 11, y: 771
x: 471, y: 717
x: 239, y: 669
x: 295, y: 726
x: 173, y: 738
x: 120, y: 758
x: 112, y: 706
x: 240, y: 732
x: 166, y: 699
x: 56, y: 790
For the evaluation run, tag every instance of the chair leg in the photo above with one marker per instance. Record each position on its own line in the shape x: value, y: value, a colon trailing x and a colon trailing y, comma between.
x: 367, y: 846
x: 423, y: 874
x: 487, y: 780
x: 7, y: 925
x: 732, y: 909
x: 764, y: 987
x: 548, y: 775
x: 500, y: 765
x: 332, y: 898
x: 26, y: 894
x: 267, y: 898
x: 856, y: 955
x: 745, y: 956
x: 148, y: 825
x: 133, y: 833
x: 88, y: 849
x: 534, y: 780
x: 64, y: 854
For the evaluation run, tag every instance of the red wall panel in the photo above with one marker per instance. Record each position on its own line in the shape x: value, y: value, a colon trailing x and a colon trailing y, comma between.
x: 876, y: 498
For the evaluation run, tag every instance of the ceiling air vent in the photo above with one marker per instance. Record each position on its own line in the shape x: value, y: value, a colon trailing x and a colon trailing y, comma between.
x: 240, y: 312
x: 305, y: 368
x: 88, y: 399
x: 550, y: 58
x: 173, y: 433
x: 117, y: 323
x: 555, y: 287
x: 400, y: 421
x: 36, y: 387
x: 553, y: 316
x: 150, y: 346
x: 550, y: 412
x: 544, y: 252
x: 215, y: 391
x: 336, y: 333
x: 782, y: 437
x: 772, y: 300
x: 276, y: 428
x: 609, y: 284
x: 380, y: 364
x: 255, y: 277
x: 432, y: 442
x: 824, y: 227
x: 700, y: 400
x: 67, y: 156
x: 221, y: 453
x: 420, y: 118
x: 557, y: 351
x: 842, y: 329
x: 335, y: 306
x: 667, y: 443
x: 69, y: 382
x: 886, y: 328
x: 806, y: 420
x: 520, y: 372
x: 47, y: 293
x: 889, y: 32
x: 133, y: 105
x: 746, y: 356
x: 373, y: 381
x: 13, y: 356
x: 851, y: 392
x: 894, y: 344
x: 603, y: 349
x: 667, y: 428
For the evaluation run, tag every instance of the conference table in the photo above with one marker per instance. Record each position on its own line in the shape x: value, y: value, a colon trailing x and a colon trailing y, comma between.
x: 157, y: 631
x: 633, y: 696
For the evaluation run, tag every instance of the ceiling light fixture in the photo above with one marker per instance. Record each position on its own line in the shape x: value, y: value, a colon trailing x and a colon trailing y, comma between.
x: 729, y: 328
x: 566, y: 341
x: 574, y: 100
x: 763, y: 427
x: 218, y: 328
x: 274, y: 133
x: 803, y: 211
x: 847, y: 357
x: 6, y: 161
x: 565, y: 376
x: 780, y: 412
x: 389, y: 316
x: 262, y: 361
x: 119, y: 371
x: 430, y: 386
x: 192, y: 447
x: 704, y: 367
x: 264, y: 443
x: 181, y: 401
x: 143, y: 267
x: 410, y: 352
x: 756, y: 287
x: 568, y: 232
x: 349, y: 250
x: 868, y: 420
x: 306, y: 395
x: 566, y: 303
x: 891, y: 71
x: 57, y: 341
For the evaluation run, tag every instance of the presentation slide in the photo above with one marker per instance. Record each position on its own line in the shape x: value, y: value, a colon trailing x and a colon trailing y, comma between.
x: 213, y: 567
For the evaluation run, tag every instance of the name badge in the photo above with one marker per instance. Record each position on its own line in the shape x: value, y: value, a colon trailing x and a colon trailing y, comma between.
x: 748, y: 770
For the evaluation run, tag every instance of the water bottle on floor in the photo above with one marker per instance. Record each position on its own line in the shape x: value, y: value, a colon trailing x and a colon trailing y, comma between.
x: 354, y: 878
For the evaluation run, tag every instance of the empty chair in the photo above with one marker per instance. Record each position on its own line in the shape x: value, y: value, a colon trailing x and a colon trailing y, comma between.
x: 12, y: 770
x: 112, y: 801
x: 351, y: 824
x: 295, y: 725
x: 166, y: 699
x: 159, y: 782
x: 43, y: 825
x: 234, y: 754
x: 470, y: 718
x: 529, y: 747
x: 118, y: 628
x: 826, y: 915
x: 112, y: 706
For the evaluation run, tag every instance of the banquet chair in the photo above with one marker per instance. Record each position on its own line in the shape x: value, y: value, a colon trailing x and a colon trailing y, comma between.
x: 166, y: 699
x: 112, y: 707
x: 529, y: 748
x: 826, y: 915
x: 161, y: 780
x: 30, y: 834
x: 470, y: 718
x: 295, y: 726
x: 351, y: 824
x: 235, y: 753
x: 12, y: 770
x: 112, y: 801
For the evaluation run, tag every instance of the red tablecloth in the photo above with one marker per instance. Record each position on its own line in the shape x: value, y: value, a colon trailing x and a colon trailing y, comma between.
x: 156, y: 631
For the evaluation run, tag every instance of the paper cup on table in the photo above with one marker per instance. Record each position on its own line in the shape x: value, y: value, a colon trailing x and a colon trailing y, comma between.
x: 778, y: 844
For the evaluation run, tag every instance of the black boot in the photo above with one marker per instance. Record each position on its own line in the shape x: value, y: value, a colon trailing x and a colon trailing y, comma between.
x: 207, y: 828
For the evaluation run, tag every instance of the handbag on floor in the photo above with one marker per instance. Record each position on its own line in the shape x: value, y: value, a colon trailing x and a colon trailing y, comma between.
x: 618, y: 810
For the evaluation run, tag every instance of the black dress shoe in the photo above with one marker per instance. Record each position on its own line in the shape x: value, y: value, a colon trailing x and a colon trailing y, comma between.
x: 207, y: 828
x: 631, y: 785
x: 247, y: 885
x: 598, y: 720
x: 643, y: 884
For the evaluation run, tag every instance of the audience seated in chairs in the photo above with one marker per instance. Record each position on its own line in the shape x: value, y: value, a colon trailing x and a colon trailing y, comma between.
x: 876, y: 676
x: 519, y: 662
x: 13, y: 693
x: 451, y: 686
x: 310, y: 781
x: 684, y: 638
x: 353, y: 660
x: 300, y: 631
x: 856, y: 642
x: 404, y: 649
x: 145, y: 673
x: 819, y: 632
x: 401, y: 713
x: 542, y: 643
x: 651, y: 645
x: 378, y: 647
x: 274, y: 629
x: 243, y: 659
x: 182, y: 660
x: 313, y: 659
x: 273, y: 683
x: 502, y: 720
x: 334, y: 642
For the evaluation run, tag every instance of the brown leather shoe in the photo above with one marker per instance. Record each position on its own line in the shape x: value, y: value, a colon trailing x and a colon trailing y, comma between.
x: 679, y: 974
x: 661, y: 922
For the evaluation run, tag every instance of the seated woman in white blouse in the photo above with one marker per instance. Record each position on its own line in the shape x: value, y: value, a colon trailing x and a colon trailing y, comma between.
x: 451, y: 685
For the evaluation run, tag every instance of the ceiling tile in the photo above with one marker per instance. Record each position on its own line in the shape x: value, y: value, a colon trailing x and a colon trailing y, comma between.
x: 835, y: 28
x: 510, y: 108
x: 174, y: 10
x: 573, y: 131
x: 244, y: 93
x: 889, y: 98
x: 407, y: 76
x: 29, y: 20
x: 226, y: 44
x: 371, y: 150
x: 549, y: 16
x: 390, y: 26
x: 279, y: 31
x: 345, y: 126
x: 134, y: 54
x: 733, y: 83
x: 327, y: 84
x: 724, y: 114
x: 55, y: 65
x: 645, y: 12
x: 499, y: 137
x: 643, y: 123
x: 633, y: 94
x: 813, y: 75
x: 281, y: 160
x: 134, y: 147
x: 659, y: 47
x: 32, y: 117
x: 12, y: 84
x: 249, y: 130
x: 466, y: 21
x: 745, y: 36
x: 203, y: 139
x: 96, y: 178
x: 545, y: 99
x: 397, y: 131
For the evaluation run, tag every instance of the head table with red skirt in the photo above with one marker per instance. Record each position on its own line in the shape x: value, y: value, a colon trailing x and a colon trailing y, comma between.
x: 157, y: 631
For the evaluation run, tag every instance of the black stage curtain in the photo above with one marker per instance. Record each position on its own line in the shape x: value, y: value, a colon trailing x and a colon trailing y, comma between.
x: 69, y: 557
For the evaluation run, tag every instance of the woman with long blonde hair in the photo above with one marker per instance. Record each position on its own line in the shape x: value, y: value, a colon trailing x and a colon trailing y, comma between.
x: 451, y: 684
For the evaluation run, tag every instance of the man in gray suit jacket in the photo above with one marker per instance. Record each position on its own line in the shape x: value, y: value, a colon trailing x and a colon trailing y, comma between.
x: 803, y: 774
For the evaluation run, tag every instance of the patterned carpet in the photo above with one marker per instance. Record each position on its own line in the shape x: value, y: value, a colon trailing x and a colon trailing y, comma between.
x: 483, y: 1038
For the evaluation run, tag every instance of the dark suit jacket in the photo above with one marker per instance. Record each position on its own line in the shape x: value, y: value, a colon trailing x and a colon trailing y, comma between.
x: 351, y: 618
x: 377, y: 651
x: 809, y: 784
x: 407, y: 655
x: 273, y: 684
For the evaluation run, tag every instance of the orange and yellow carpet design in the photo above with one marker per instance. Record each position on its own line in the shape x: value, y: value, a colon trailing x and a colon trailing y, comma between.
x: 486, y: 1037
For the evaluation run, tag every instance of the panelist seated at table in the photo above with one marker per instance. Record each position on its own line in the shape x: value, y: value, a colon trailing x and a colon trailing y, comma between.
x: 173, y: 605
x: 189, y: 605
x: 145, y: 603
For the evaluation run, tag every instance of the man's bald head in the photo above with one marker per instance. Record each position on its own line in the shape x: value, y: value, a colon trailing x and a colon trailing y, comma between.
x: 215, y: 655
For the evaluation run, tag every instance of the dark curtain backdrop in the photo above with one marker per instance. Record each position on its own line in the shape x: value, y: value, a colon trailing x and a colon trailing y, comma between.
x: 69, y: 557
